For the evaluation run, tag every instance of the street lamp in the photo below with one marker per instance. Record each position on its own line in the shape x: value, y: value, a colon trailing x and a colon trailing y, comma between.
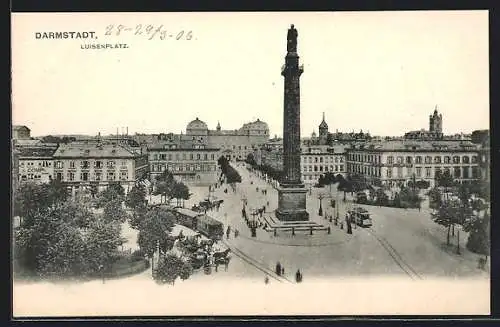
x: 320, y: 197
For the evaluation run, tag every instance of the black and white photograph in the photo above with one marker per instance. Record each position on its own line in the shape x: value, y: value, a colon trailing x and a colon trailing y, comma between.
x: 250, y: 163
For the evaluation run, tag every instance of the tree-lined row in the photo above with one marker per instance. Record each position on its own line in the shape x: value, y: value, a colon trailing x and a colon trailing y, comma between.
x: 62, y: 236
x: 168, y: 188
x: 232, y: 176
x: 462, y: 205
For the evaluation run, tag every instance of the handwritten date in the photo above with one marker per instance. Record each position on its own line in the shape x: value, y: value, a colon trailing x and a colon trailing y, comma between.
x: 149, y: 31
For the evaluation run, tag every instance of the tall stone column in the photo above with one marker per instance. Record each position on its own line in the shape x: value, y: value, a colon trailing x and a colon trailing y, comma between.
x: 291, y: 193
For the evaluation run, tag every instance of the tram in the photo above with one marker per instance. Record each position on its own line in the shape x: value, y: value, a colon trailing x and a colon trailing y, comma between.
x: 360, y: 217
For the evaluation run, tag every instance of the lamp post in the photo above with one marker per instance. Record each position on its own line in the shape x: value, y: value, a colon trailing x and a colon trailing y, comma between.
x: 320, y: 197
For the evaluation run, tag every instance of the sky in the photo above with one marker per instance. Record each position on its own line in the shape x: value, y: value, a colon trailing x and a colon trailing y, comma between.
x: 382, y: 72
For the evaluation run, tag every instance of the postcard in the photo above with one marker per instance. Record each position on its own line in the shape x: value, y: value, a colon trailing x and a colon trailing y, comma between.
x: 256, y: 164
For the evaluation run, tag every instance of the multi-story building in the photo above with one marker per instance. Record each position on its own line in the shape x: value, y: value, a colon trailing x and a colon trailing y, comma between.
x: 81, y: 165
x: 15, y: 170
x: 398, y: 162
x: 235, y: 145
x: 21, y: 132
x: 484, y: 160
x: 321, y: 159
x: 195, y: 165
x: 316, y: 160
x: 35, y: 163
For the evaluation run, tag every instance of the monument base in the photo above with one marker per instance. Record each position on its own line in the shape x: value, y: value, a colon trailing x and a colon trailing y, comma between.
x: 292, y: 204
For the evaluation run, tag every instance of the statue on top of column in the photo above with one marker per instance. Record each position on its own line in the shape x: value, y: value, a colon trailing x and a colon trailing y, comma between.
x: 292, y: 39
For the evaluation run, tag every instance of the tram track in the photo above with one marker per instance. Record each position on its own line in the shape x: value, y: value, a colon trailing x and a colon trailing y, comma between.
x: 254, y: 263
x: 395, y: 256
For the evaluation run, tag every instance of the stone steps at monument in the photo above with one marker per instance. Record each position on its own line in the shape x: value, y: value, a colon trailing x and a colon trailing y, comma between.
x: 273, y: 223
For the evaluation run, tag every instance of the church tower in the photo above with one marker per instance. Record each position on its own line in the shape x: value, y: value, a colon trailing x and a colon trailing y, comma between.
x: 323, y: 131
x: 436, y: 122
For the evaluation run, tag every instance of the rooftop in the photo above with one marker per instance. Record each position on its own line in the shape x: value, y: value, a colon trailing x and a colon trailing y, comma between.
x: 93, y: 151
x: 398, y: 145
x: 31, y: 152
x: 17, y: 127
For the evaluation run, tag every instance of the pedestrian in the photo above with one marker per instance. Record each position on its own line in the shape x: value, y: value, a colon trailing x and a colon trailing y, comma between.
x: 266, y: 280
x: 278, y: 269
x: 282, y: 271
x: 298, y: 276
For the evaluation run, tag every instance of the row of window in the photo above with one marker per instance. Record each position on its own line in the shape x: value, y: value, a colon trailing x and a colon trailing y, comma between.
x: 457, y: 172
x: 38, y: 164
x: 323, y: 168
x: 436, y: 159
x: 85, y: 164
x: 84, y: 176
x: 411, y: 159
x: 315, y: 159
x: 32, y: 176
x: 179, y: 167
x: 183, y: 156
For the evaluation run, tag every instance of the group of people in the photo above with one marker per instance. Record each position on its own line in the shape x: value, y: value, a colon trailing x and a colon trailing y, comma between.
x: 228, y: 232
x: 280, y: 271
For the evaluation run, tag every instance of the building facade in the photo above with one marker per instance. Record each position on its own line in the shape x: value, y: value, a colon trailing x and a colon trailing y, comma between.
x: 315, y: 160
x: 196, y: 166
x: 97, y: 165
x: 21, y: 132
x: 322, y: 159
x: 398, y: 162
x: 15, y: 170
x: 36, y: 163
x: 235, y: 145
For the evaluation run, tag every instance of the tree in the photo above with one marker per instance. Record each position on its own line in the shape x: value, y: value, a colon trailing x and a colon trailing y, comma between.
x: 222, y: 162
x: 169, y: 269
x: 435, y: 198
x: 445, y: 216
x: 113, y: 211
x: 30, y: 199
x: 444, y: 180
x: 422, y: 184
x: 114, y: 192
x: 136, y: 197
x: 156, y: 226
x: 180, y: 192
x: 103, y: 239
x: 77, y: 213
x: 164, y: 184
x: 233, y: 176
x: 53, y: 244
x: 186, y: 270
x: 137, y: 216
x: 479, y: 235
x: 409, y: 197
x: 327, y: 179
x: 381, y: 198
x: 117, y: 188
x: 56, y: 192
x: 251, y: 160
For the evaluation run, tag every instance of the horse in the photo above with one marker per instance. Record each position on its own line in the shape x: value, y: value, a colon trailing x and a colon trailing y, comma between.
x: 222, y: 254
x: 222, y: 260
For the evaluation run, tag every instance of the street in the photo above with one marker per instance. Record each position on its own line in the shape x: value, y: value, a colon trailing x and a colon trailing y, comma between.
x: 400, y: 242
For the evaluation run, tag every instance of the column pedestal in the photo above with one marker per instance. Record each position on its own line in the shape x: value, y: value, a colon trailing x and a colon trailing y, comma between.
x: 292, y: 204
